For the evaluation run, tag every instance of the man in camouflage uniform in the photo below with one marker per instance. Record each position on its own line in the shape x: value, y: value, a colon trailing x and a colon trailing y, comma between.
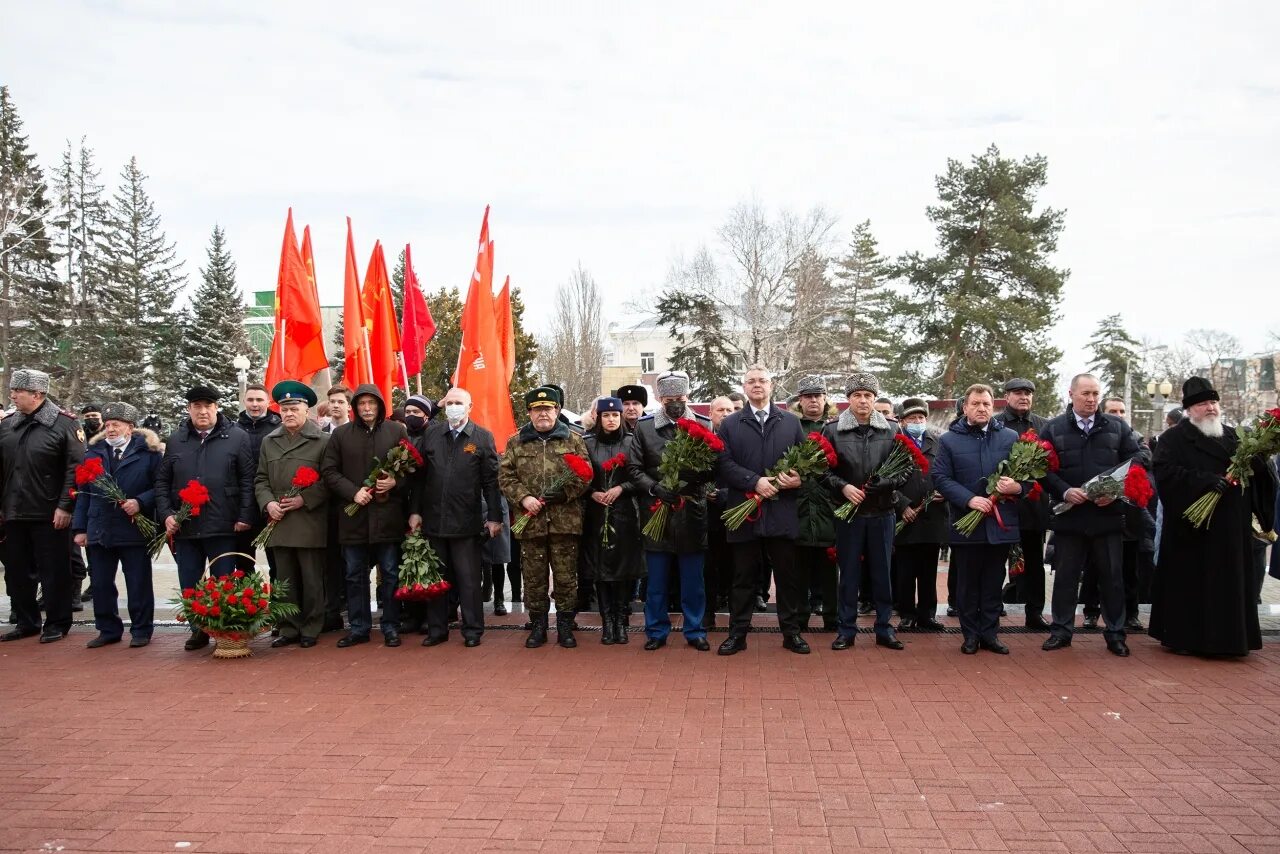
x: 531, y: 464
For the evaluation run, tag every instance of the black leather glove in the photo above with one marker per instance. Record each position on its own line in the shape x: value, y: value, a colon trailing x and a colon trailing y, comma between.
x: 668, y: 495
x: 1221, y: 486
x: 877, y: 486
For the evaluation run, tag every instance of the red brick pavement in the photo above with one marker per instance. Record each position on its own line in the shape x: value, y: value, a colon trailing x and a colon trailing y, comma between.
x: 612, y: 749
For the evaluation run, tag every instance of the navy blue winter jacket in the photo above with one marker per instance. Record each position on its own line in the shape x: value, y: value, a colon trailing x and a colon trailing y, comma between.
x: 966, y: 457
x: 105, y: 523
x: 749, y: 451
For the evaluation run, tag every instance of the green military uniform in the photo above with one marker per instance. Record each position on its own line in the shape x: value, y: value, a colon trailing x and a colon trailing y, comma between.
x: 531, y: 464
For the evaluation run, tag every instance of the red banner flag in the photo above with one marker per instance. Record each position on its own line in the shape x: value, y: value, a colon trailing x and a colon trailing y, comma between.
x: 506, y: 329
x: 355, y: 335
x: 417, y: 328
x: 380, y: 320
x: 297, y: 349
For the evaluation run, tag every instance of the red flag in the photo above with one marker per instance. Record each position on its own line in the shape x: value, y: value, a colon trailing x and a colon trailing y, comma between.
x: 380, y: 320
x: 355, y: 335
x: 297, y: 349
x: 417, y: 327
x: 481, y: 370
x: 506, y: 329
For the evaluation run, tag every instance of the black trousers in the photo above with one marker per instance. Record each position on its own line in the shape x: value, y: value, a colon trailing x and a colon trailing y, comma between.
x: 36, y: 553
x: 511, y: 571
x: 244, y: 545
x: 614, y: 599
x: 819, y: 573
x: 979, y: 570
x: 335, y: 571
x: 1071, y: 552
x: 792, y: 587
x: 717, y: 571
x: 916, y: 579
x: 1030, y: 584
x: 462, y: 556
x: 1129, y: 574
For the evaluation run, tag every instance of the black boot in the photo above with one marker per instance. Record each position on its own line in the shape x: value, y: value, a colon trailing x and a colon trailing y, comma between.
x: 608, y: 631
x: 564, y: 630
x: 621, y: 618
x: 538, y: 634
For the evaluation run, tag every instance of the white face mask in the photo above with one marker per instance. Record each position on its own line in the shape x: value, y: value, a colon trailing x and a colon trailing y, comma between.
x: 118, y: 442
x: 455, y: 412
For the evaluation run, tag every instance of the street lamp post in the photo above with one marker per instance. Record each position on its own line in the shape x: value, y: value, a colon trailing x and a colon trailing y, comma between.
x: 1159, y: 392
x: 241, y: 364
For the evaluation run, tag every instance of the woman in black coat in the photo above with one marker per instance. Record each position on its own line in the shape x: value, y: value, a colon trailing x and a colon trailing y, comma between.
x: 614, y: 566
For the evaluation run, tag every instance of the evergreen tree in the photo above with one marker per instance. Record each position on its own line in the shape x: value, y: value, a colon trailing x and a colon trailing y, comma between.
x: 397, y: 287
x: 703, y: 349
x: 143, y: 277
x: 215, y: 326
x: 31, y: 304
x: 1115, y: 351
x: 338, y: 352
x: 978, y: 310
x: 861, y: 320
x: 441, y: 358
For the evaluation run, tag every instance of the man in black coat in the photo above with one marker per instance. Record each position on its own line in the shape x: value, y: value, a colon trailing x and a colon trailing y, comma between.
x: 1033, y: 516
x: 208, y: 448
x: 40, y: 448
x: 755, y: 438
x: 1203, y: 596
x: 462, y: 468
x: 1088, y: 443
x: 257, y: 421
x: 924, y: 520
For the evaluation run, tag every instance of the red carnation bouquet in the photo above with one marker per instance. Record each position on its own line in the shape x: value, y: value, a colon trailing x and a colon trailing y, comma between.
x: 194, y: 497
x: 305, y: 476
x: 810, y: 458
x: 1262, y: 442
x: 902, y: 523
x: 401, y: 460
x: 694, y: 448
x: 91, y: 473
x: 420, y: 577
x: 904, y: 457
x: 575, y: 468
x: 236, y: 606
x: 1030, y: 458
x: 611, y: 466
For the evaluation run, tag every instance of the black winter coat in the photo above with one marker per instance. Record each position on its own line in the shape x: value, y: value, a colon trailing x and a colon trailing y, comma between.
x: 751, y: 449
x: 257, y: 431
x: 348, y: 458
x: 859, y: 452
x: 621, y: 560
x: 38, y: 458
x: 101, y: 519
x: 1109, y: 443
x: 931, y: 525
x: 459, y: 476
x: 686, y: 530
x: 221, y: 462
x: 1032, y: 516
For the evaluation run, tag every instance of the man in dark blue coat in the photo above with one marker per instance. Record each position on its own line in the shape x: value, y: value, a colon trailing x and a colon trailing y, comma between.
x: 109, y: 531
x: 755, y: 438
x: 1088, y: 443
x: 968, y: 454
x: 209, y: 448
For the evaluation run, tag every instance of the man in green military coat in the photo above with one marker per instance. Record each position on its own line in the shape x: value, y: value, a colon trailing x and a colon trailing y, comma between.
x: 531, y: 464
x: 301, y: 522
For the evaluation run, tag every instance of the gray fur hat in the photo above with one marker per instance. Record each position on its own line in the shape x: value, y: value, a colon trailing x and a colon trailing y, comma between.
x: 861, y: 381
x: 671, y: 384
x: 29, y: 379
x: 120, y: 411
x: 811, y: 385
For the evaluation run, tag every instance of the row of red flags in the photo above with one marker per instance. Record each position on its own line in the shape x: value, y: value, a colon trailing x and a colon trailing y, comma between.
x: 380, y: 351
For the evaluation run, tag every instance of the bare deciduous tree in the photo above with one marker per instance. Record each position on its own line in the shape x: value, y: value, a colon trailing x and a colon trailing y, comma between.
x: 571, y: 355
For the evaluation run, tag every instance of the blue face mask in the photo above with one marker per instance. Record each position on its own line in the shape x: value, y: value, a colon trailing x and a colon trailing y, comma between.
x: 915, y: 431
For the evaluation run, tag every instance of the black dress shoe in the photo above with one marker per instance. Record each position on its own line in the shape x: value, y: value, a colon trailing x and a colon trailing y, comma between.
x: 306, y: 643
x: 761, y: 606
x: 1036, y: 622
x: 198, y: 640
x: 436, y: 640
x: 700, y: 644
x: 19, y: 634
x: 1133, y: 625
x: 929, y: 625
x: 283, y: 640
x: 1115, y: 646
x: 890, y: 641
x: 842, y: 642
x: 906, y: 623
x: 1090, y: 622
x: 970, y: 646
x: 139, y: 642
x: 53, y: 636
x: 352, y: 640
x: 994, y: 646
x: 470, y: 642
x: 796, y: 644
x: 865, y: 608
x: 499, y: 610
x: 100, y: 641
x: 654, y: 643
x: 390, y: 640
x: 733, y: 644
x: 1055, y: 642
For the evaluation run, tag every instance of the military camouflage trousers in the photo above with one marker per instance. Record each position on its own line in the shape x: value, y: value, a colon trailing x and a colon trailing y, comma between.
x: 557, y: 553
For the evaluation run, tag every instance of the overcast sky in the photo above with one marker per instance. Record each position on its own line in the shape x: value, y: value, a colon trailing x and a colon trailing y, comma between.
x: 620, y: 136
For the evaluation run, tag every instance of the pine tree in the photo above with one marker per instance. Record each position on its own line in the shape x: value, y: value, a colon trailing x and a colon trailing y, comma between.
x: 441, y: 358
x: 812, y: 332
x: 338, y: 352
x: 977, y: 310
x: 703, y: 349
x: 861, y: 320
x: 143, y: 277
x: 31, y: 304
x: 1115, y: 351
x: 215, y: 326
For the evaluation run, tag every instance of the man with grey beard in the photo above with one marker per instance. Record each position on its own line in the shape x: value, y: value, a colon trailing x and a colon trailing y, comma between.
x: 1203, y: 598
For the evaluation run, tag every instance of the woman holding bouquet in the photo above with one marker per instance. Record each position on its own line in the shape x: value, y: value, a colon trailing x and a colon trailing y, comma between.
x: 109, y: 531
x: 293, y: 502
x: 610, y: 549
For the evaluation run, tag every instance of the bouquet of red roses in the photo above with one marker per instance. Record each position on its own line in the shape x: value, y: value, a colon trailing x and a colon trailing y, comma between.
x: 904, y: 457
x: 1030, y: 458
x: 420, y: 578
x: 401, y: 460
x: 305, y: 476
x: 694, y: 448
x: 194, y: 496
x: 236, y: 606
x: 91, y: 473
x: 1262, y: 442
x: 610, y: 466
x: 575, y: 467
x: 810, y: 458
